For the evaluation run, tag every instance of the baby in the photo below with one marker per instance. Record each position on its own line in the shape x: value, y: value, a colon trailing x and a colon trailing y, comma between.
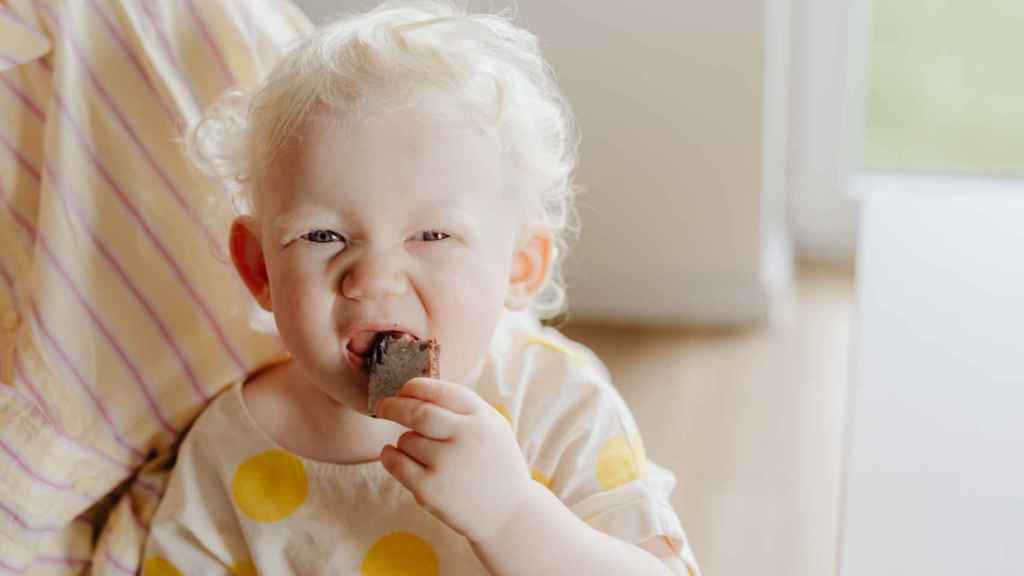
x: 408, y: 174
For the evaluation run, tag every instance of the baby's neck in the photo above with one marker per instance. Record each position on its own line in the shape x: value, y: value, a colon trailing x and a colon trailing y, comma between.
x: 303, y: 420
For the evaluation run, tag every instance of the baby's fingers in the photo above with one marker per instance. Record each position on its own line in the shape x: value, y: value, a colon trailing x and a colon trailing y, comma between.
x: 430, y: 420
x: 423, y: 450
x: 403, y: 467
x: 458, y: 399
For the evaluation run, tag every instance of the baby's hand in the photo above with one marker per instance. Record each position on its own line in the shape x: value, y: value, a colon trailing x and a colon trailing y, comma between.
x: 460, y: 459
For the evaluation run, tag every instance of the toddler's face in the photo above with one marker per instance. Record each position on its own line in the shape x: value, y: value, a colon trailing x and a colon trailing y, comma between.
x: 394, y: 222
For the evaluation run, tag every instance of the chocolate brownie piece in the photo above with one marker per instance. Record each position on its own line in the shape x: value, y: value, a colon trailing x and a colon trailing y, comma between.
x: 395, y: 360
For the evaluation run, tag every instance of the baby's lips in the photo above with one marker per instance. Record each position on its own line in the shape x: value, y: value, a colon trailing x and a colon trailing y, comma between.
x: 364, y: 342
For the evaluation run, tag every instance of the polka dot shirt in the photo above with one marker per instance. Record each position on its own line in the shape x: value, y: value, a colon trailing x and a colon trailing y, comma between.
x: 238, y: 503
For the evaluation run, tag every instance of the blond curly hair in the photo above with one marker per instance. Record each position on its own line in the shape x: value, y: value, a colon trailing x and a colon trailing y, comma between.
x: 388, y: 58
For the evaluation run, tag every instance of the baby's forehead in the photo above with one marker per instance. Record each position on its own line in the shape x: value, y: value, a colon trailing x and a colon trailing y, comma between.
x: 443, y: 116
x: 405, y: 160
x: 415, y: 143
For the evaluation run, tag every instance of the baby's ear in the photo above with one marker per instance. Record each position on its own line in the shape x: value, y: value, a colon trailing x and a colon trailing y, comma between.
x: 531, y: 267
x: 247, y: 254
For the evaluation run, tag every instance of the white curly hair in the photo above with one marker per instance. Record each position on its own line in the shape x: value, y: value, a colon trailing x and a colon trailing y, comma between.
x: 390, y: 57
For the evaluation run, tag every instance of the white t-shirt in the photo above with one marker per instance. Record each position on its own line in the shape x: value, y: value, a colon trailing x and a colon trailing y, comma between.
x: 239, y: 503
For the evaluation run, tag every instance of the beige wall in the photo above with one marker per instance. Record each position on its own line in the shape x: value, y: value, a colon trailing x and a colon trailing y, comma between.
x: 683, y: 152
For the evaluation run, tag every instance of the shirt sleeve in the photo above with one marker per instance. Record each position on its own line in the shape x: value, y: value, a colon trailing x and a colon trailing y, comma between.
x: 195, y: 529
x: 581, y: 441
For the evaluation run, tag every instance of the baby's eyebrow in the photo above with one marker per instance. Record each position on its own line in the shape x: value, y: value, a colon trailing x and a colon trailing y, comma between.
x: 285, y: 226
x: 303, y: 216
x: 461, y: 219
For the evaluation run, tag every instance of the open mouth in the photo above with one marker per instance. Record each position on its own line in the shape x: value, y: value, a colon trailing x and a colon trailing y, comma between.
x: 369, y: 346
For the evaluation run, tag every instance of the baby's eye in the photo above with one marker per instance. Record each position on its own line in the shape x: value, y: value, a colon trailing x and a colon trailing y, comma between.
x: 322, y: 236
x: 432, y: 236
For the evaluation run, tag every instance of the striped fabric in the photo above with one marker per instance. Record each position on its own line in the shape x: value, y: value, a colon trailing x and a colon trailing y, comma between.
x: 120, y: 314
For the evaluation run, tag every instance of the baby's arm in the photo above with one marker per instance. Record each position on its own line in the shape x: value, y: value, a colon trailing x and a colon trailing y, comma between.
x: 461, y: 462
x: 545, y: 537
x: 582, y: 443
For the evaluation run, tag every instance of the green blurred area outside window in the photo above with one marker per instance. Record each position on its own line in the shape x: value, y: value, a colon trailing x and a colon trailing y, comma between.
x: 946, y: 87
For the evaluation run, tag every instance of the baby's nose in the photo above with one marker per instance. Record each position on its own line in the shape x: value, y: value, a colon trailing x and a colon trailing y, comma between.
x: 375, y: 276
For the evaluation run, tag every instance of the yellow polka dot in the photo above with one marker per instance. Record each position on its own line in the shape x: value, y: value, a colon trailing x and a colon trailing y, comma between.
x: 159, y: 567
x: 556, y: 346
x: 270, y: 486
x: 540, y: 477
x: 244, y: 569
x: 400, y: 554
x: 620, y: 461
x: 501, y: 409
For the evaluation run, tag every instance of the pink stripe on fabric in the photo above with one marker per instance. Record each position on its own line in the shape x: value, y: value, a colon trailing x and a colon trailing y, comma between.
x: 63, y: 355
x: 171, y: 262
x: 97, y: 321
x: 20, y: 368
x: 111, y: 340
x: 16, y: 18
x: 12, y: 569
x: 190, y: 373
x: 69, y: 562
x: 84, y: 384
x: 24, y: 162
x: 12, y: 16
x: 63, y: 487
x: 133, y: 136
x: 120, y: 40
x: 204, y: 31
x: 9, y: 282
x: 26, y: 526
x: 67, y: 200
x: 24, y: 98
x: 172, y: 56
x: 229, y: 348
x: 32, y: 398
x: 36, y: 400
x: 145, y: 485
x: 117, y: 564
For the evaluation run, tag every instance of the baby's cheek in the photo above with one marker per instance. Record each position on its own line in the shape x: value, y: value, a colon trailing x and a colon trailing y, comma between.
x: 465, y: 314
x: 298, y: 316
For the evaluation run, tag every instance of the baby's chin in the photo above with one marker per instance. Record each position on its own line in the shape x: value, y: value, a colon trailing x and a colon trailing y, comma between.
x: 342, y: 387
x: 348, y: 395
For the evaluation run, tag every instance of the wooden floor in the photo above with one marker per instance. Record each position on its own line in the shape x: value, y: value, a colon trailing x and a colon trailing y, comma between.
x: 750, y: 422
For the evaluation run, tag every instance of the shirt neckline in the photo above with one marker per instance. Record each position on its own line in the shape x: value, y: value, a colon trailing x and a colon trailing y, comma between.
x: 370, y: 470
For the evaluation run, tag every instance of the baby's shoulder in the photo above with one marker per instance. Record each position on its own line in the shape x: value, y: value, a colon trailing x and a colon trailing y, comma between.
x: 532, y: 353
x: 228, y: 424
x: 542, y: 373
